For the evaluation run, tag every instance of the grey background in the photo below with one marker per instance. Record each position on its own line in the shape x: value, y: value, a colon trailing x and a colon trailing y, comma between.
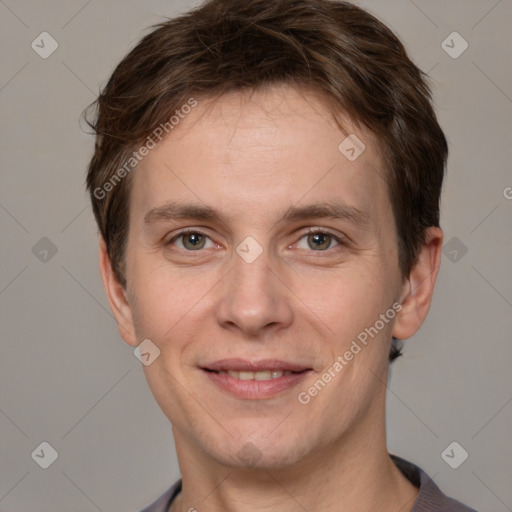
x: 67, y: 378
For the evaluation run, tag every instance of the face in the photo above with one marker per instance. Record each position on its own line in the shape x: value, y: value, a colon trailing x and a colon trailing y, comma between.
x: 257, y: 255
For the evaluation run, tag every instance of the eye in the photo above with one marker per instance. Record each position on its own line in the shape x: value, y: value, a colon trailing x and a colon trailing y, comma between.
x: 319, y: 241
x: 190, y: 240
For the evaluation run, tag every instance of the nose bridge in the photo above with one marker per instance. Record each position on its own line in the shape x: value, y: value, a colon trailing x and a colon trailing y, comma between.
x: 253, y: 297
x: 251, y: 277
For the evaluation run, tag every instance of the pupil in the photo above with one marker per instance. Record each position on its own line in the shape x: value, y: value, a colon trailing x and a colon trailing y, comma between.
x: 194, y: 240
x: 319, y: 240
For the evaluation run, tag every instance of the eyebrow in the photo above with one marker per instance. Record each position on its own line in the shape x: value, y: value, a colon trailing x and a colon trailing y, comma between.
x: 329, y: 210
x: 176, y: 210
x: 326, y: 210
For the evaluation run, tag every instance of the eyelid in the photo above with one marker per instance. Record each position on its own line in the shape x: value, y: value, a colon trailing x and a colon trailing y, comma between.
x: 325, y: 231
x: 186, y: 231
x: 342, y: 240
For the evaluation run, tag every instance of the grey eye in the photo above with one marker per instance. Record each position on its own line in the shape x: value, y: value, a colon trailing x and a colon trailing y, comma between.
x: 318, y: 241
x: 191, y: 241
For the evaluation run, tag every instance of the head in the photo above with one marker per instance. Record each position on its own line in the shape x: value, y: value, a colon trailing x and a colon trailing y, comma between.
x: 242, y: 122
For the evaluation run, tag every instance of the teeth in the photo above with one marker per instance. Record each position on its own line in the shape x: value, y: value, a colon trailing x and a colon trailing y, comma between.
x: 262, y: 375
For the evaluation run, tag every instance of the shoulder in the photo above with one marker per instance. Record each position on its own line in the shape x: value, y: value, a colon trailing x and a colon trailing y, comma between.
x: 163, y: 503
x: 430, y: 497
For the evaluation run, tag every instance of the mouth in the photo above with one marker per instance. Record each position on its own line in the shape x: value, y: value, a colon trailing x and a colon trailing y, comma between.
x: 254, y: 379
x: 260, y: 375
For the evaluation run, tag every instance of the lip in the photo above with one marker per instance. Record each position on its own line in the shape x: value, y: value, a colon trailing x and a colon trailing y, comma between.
x: 244, y: 365
x: 254, y: 389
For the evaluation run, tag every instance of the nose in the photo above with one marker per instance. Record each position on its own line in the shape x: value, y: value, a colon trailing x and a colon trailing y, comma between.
x: 254, y: 297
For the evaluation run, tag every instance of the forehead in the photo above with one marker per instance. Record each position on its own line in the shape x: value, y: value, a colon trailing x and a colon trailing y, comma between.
x: 273, y: 147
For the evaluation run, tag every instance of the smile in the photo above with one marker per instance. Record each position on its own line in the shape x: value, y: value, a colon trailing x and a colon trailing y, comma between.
x: 261, y: 375
x: 254, y: 380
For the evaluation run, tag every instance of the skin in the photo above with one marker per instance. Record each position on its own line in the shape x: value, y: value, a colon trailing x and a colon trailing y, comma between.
x: 251, y: 157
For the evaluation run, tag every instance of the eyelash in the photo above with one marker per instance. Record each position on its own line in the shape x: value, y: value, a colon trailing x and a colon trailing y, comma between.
x: 310, y: 231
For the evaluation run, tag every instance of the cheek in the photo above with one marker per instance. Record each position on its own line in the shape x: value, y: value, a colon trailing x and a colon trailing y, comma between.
x: 344, y: 301
x: 166, y: 304
x: 154, y: 301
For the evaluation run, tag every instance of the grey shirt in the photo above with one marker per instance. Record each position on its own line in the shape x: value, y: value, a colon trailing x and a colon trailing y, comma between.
x: 430, y: 497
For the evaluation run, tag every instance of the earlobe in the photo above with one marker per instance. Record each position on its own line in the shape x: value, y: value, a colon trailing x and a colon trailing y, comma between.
x: 419, y: 287
x: 117, y: 297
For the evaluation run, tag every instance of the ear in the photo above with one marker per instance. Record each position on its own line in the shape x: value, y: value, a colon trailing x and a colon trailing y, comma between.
x: 419, y: 287
x: 117, y: 298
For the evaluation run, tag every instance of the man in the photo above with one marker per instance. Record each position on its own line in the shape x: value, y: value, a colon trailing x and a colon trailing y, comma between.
x: 266, y: 182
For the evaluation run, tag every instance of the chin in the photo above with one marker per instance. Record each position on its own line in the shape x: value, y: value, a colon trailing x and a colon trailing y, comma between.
x: 257, y: 452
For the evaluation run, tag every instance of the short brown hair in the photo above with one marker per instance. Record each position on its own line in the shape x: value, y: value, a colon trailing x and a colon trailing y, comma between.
x: 332, y: 47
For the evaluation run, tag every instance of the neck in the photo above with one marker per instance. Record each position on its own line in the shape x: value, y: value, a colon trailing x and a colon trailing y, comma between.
x: 353, y: 474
